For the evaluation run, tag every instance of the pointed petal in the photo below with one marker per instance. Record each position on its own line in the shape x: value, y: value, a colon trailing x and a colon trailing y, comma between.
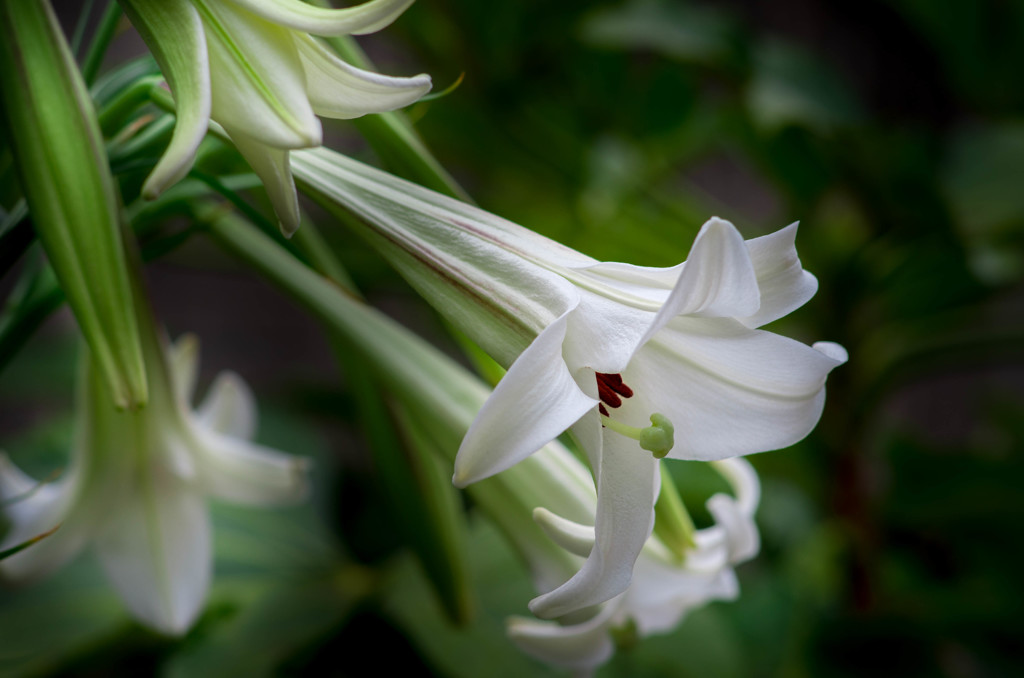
x: 664, y: 594
x: 727, y: 389
x: 832, y: 350
x: 535, y: 401
x: 229, y: 408
x: 173, y: 31
x: 582, y: 647
x: 183, y: 360
x: 359, y: 20
x: 746, y: 486
x: 742, y: 538
x: 156, y: 552
x: 339, y: 90
x: 575, y: 538
x: 257, y: 80
x: 31, y: 509
x: 604, y: 333
x: 272, y: 166
x: 718, y: 279
x: 247, y: 473
x: 785, y: 286
x: 625, y: 516
x: 711, y: 554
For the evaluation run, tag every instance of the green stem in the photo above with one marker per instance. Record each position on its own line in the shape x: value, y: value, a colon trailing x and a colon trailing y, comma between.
x: 673, y: 524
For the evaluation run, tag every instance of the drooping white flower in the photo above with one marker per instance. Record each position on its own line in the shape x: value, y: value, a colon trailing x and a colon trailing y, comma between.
x: 663, y: 590
x: 136, y: 486
x: 601, y: 348
x: 252, y: 67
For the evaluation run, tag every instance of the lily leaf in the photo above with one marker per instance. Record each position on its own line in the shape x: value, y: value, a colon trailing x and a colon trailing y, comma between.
x: 58, y: 149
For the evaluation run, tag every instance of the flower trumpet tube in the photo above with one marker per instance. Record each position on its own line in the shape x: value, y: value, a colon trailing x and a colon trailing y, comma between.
x: 72, y: 198
x: 619, y: 354
x: 253, y: 67
x: 136, y: 487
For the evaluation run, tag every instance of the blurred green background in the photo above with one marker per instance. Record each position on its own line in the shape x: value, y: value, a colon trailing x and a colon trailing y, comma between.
x: 892, y: 130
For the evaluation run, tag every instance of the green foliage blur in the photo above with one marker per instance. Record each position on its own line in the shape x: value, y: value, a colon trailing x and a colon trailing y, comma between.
x: 893, y: 131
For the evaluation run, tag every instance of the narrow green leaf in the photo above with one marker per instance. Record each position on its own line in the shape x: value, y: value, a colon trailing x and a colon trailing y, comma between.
x: 417, y: 486
x: 72, y: 197
x: 424, y: 504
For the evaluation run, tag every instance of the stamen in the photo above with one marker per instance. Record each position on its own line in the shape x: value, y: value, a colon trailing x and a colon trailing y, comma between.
x: 658, y: 438
x: 602, y: 409
x: 610, y: 387
x: 614, y: 382
x: 607, y: 395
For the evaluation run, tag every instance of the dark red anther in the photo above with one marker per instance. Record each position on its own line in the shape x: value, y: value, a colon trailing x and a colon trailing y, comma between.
x: 601, y: 408
x: 614, y: 382
x: 610, y: 387
x: 607, y: 395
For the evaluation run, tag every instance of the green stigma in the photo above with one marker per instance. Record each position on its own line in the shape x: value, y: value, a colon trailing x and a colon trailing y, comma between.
x: 658, y: 438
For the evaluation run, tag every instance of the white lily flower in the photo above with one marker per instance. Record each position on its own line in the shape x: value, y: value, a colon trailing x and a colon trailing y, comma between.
x: 663, y: 591
x: 602, y: 347
x: 136, y: 488
x: 252, y: 67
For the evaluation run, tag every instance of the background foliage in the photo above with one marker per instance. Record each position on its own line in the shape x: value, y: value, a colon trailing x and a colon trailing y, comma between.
x: 892, y: 130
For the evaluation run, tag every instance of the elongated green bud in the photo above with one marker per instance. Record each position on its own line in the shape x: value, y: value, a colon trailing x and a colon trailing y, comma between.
x: 72, y: 197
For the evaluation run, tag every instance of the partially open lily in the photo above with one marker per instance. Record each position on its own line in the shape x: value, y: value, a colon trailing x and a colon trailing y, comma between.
x: 663, y: 591
x: 613, y: 351
x: 252, y: 67
x: 136, y: 488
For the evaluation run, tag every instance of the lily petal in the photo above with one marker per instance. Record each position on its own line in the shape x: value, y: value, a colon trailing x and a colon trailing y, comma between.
x: 247, y: 473
x: 582, y: 647
x: 717, y: 280
x: 730, y: 390
x: 183, y: 361
x: 625, y: 516
x: 174, y: 33
x: 360, y: 20
x: 256, y: 78
x: 742, y: 538
x: 785, y: 286
x: 32, y: 509
x: 603, y: 334
x: 158, y: 556
x: 229, y: 407
x: 338, y: 89
x: 272, y: 166
x: 673, y: 593
x: 535, y: 401
x: 744, y: 481
x: 571, y: 536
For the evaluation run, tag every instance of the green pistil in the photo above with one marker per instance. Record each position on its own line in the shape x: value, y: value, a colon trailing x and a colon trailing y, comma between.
x: 658, y: 438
